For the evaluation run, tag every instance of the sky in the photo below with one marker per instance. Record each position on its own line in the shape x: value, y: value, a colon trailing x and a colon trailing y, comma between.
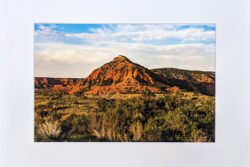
x: 75, y: 50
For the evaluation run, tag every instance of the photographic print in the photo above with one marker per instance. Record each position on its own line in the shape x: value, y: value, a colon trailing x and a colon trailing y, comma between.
x: 124, y: 82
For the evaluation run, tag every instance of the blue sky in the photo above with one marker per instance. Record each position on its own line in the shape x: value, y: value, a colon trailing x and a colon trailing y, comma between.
x: 73, y: 50
x: 70, y: 28
x: 79, y: 28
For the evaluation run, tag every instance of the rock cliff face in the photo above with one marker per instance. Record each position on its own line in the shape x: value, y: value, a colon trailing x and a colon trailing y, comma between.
x: 45, y: 82
x: 121, y: 75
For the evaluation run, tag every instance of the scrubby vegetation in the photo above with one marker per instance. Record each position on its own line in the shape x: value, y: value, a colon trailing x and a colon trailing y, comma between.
x: 173, y: 117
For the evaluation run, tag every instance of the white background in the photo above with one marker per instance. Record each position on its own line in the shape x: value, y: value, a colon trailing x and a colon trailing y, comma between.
x: 232, y: 146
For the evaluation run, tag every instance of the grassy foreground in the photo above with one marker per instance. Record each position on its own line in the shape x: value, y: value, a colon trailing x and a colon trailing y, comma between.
x: 173, y: 117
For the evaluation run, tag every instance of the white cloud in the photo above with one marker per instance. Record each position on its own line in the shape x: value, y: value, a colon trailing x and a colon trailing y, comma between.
x: 147, y: 32
x: 70, y: 54
x: 47, y: 31
x: 59, y: 60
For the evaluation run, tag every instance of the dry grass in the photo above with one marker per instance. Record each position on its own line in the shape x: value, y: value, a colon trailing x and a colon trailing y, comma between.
x: 49, y: 129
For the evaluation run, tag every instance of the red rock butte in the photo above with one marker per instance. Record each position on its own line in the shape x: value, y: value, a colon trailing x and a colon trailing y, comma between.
x: 122, y: 76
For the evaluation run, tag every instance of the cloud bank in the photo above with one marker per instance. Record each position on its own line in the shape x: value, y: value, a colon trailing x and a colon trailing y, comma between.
x: 62, y: 53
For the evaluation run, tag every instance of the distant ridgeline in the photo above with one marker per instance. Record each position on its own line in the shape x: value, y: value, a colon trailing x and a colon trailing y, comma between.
x: 123, y: 76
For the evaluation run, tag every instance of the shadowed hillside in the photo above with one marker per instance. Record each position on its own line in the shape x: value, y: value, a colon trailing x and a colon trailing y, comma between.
x: 194, y: 81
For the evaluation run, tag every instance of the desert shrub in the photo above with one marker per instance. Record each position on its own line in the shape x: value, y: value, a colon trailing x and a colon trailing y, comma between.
x: 79, y: 93
x: 80, y: 124
x: 103, y: 104
x: 136, y: 129
x: 171, y: 117
x: 66, y: 126
x: 56, y: 115
x: 148, y: 93
x: 49, y: 131
x: 160, y: 103
x: 77, y: 126
x: 194, y: 98
x: 152, y: 132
